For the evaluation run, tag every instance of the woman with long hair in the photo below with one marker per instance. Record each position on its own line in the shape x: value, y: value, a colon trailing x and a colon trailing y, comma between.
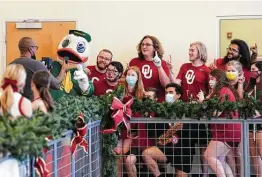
x: 11, y: 101
x: 224, y: 136
x: 40, y: 87
x: 154, y: 70
x: 133, y: 86
x: 255, y: 130
x: 133, y: 83
x: 235, y: 75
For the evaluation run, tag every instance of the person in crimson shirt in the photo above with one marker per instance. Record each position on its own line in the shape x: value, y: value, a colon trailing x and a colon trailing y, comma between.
x: 224, y: 136
x: 98, y: 72
x: 238, y: 50
x: 193, y: 78
x: 133, y: 86
x: 113, y: 73
x: 255, y: 144
x: 153, y: 69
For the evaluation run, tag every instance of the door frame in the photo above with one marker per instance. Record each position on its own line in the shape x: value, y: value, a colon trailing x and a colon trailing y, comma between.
x: 21, y: 20
x: 230, y: 17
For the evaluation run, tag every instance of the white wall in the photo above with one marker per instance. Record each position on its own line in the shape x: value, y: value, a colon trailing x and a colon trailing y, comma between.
x: 120, y: 25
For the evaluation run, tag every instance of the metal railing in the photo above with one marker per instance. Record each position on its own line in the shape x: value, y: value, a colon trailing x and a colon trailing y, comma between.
x: 60, y: 161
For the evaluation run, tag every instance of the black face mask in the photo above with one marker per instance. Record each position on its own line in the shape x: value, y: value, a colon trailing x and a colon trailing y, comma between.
x: 32, y: 55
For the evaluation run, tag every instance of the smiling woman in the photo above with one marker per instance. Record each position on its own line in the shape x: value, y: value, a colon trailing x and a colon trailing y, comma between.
x: 153, y: 69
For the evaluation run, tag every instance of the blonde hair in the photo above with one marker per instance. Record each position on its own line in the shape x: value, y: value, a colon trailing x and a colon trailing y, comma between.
x: 15, y: 72
x: 202, y: 50
x: 237, y: 65
x: 139, y: 88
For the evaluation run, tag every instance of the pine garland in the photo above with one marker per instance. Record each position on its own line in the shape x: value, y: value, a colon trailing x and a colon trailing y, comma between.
x: 24, y: 137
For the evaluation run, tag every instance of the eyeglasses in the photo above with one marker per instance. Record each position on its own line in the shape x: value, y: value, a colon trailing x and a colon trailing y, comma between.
x: 36, y: 47
x: 146, y: 44
x: 104, y: 58
x: 112, y: 71
x: 232, y: 50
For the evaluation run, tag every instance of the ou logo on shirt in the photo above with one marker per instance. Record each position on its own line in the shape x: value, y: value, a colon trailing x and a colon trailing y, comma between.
x: 147, y: 71
x: 94, y: 79
x: 190, y: 76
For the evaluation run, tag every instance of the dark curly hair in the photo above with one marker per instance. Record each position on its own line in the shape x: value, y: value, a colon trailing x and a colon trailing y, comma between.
x: 244, y: 53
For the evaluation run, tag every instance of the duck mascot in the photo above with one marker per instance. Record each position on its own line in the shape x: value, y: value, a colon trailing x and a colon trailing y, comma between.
x: 72, y: 56
x: 73, y: 53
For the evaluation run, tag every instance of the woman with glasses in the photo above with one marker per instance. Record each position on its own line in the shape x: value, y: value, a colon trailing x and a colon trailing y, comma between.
x: 154, y: 70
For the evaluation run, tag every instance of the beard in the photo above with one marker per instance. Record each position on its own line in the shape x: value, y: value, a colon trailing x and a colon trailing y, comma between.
x: 226, y: 59
x: 101, y: 65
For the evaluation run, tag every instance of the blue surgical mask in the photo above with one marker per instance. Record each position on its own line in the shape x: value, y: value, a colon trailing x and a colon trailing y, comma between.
x: 170, y: 98
x: 131, y: 80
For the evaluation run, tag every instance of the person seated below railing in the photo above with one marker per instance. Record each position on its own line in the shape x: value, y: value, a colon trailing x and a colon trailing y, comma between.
x: 224, y: 136
x: 255, y: 130
x: 176, y: 142
x: 133, y: 86
x: 141, y: 141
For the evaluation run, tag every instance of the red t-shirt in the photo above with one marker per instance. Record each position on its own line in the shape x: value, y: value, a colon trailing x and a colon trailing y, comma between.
x: 221, y: 65
x: 94, y: 75
x: 150, y: 75
x: 142, y: 140
x: 193, y: 79
x: 227, y: 132
x: 101, y: 87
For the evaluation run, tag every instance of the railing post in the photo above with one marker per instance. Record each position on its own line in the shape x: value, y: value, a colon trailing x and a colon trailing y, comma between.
x: 73, y: 169
x: 55, y: 159
x: 245, y: 149
x: 90, y: 147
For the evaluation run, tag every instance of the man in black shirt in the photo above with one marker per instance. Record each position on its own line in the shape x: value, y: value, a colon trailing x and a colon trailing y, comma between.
x: 177, y: 149
x: 28, y: 47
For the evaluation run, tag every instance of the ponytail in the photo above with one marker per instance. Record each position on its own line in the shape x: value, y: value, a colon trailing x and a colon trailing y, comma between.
x: 6, y: 98
x: 47, y: 98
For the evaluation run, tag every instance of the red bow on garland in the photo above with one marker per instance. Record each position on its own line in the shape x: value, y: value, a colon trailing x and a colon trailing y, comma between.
x: 79, y: 139
x: 40, y: 166
x: 121, y: 113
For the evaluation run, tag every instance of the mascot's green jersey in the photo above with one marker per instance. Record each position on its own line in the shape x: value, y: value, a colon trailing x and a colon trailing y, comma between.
x: 75, y: 49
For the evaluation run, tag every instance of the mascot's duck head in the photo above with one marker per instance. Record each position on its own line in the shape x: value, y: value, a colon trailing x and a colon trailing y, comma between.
x: 75, y: 48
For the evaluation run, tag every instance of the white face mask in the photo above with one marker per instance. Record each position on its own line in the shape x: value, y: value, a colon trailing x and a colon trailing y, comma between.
x: 212, y: 84
x: 170, y: 98
x: 131, y: 80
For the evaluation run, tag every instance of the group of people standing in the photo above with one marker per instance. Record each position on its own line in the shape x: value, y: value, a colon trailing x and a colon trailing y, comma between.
x: 26, y: 83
